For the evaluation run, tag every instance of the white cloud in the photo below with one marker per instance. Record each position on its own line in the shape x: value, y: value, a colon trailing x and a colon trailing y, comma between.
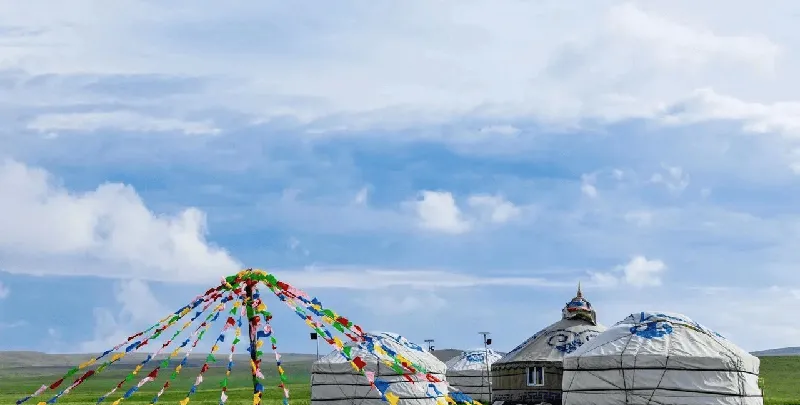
x: 684, y: 46
x: 369, y: 278
x: 470, y: 62
x: 138, y: 308
x: 12, y: 325
x: 506, y: 130
x: 4, y: 291
x: 587, y: 185
x: 107, y: 232
x: 120, y: 120
x: 494, y: 207
x: 638, y: 272
x: 437, y: 211
x: 673, y: 178
x: 362, y: 196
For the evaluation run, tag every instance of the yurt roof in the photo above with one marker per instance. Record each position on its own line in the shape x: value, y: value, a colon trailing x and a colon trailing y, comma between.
x: 393, y: 342
x: 653, y: 338
x: 577, y: 326
x: 474, y: 359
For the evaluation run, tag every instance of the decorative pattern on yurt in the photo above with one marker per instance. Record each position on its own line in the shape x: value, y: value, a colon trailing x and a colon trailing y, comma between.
x: 469, y: 372
x: 335, y: 382
x: 531, y: 373
x: 661, y: 358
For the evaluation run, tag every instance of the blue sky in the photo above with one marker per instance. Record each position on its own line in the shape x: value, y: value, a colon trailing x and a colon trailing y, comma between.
x: 432, y: 169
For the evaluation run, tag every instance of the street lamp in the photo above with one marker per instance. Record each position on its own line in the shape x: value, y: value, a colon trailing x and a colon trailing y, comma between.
x: 314, y: 338
x: 486, y: 342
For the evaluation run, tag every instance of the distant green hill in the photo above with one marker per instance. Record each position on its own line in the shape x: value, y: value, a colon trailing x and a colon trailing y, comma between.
x: 784, y: 351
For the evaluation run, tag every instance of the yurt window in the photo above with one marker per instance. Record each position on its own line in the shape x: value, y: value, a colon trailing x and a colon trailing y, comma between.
x: 535, y: 376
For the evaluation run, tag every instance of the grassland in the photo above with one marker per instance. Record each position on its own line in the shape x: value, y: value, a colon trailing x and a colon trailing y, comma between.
x: 781, y: 384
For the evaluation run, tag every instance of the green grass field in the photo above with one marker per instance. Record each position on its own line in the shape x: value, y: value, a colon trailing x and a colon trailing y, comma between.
x: 781, y: 384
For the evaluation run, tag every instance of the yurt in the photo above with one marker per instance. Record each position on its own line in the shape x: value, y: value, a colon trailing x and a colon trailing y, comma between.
x: 469, y: 373
x: 335, y: 382
x: 661, y: 358
x: 531, y: 373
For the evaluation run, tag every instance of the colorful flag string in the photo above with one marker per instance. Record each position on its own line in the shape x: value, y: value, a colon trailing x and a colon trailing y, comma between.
x: 242, y: 289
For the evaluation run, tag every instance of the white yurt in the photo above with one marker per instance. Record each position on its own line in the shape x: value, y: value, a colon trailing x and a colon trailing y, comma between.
x: 531, y: 373
x: 335, y: 382
x: 660, y: 358
x: 469, y: 373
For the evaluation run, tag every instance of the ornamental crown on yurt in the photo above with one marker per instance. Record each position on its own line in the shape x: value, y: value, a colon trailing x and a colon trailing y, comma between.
x: 531, y: 373
x: 241, y: 293
x: 469, y: 372
x: 335, y: 382
x: 661, y: 358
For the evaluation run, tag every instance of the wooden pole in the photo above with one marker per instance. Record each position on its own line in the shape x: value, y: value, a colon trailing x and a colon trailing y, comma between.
x: 248, y: 292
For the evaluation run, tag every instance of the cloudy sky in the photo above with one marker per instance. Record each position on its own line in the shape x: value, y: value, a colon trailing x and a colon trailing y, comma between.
x: 434, y: 169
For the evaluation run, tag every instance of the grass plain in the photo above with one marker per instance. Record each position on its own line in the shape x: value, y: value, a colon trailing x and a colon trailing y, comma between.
x: 781, y: 384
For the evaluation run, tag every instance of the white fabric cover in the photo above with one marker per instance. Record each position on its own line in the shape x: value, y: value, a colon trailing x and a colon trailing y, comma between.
x: 335, y: 382
x: 553, y: 342
x: 468, y: 373
x: 660, y: 358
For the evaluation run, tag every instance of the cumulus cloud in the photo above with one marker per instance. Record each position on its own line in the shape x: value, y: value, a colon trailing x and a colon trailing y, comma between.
x: 638, y: 272
x: 641, y: 272
x: 495, y: 208
x: 107, y: 232
x: 137, y: 309
x: 437, y: 211
x: 587, y: 185
x: 673, y: 178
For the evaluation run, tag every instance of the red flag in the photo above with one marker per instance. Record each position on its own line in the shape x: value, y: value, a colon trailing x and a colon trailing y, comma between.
x: 359, y: 363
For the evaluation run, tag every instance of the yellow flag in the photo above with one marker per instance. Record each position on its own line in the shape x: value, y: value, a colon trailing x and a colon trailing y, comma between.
x: 86, y: 364
x: 392, y: 398
x: 441, y: 401
x: 185, y: 401
x: 178, y: 369
x: 337, y: 342
x: 117, y: 402
x: 259, y: 344
x: 280, y: 369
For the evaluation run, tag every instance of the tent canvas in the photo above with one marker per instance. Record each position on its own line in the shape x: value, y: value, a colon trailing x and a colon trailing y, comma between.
x: 335, y: 382
x: 660, y: 358
x: 469, y: 373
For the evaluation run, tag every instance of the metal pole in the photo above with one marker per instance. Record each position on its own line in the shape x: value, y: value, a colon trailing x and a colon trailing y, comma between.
x: 317, y: 340
x: 429, y: 342
x: 248, y: 292
x: 486, y: 361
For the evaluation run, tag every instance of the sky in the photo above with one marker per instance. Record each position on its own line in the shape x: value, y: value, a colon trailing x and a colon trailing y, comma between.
x: 434, y: 169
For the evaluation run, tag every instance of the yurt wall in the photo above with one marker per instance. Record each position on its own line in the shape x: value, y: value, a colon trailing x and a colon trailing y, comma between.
x: 532, y: 372
x: 335, y: 382
x: 469, y: 373
x: 661, y: 358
